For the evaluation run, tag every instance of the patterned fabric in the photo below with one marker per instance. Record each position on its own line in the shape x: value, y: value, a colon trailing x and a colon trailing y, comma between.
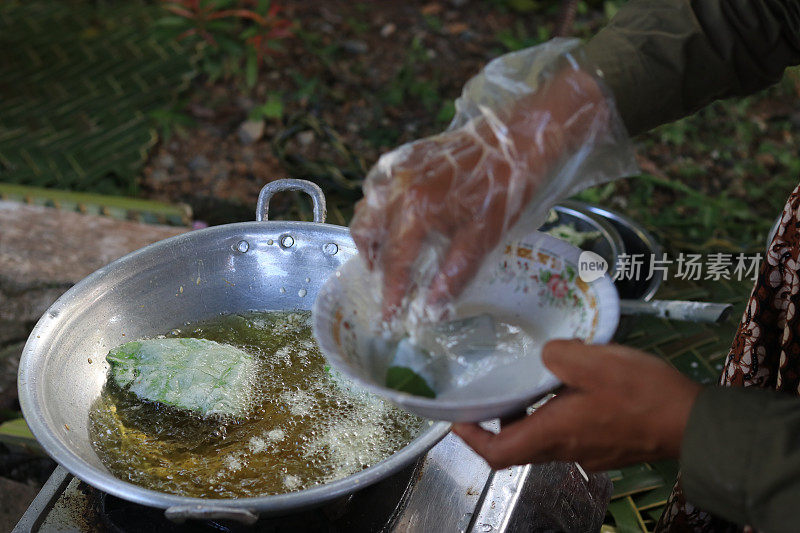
x: 765, y: 351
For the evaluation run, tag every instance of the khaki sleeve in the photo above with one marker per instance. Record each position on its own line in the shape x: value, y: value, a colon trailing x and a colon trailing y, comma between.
x: 665, y: 59
x: 740, y: 457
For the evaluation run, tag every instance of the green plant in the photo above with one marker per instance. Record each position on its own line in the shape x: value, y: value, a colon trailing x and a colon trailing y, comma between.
x: 517, y: 6
x: 307, y: 89
x: 272, y: 108
x: 231, y: 37
x: 446, y: 112
x: 317, y: 46
x: 171, y: 120
x: 381, y: 136
x: 89, y: 117
x: 410, y: 84
x: 433, y: 22
x: 517, y: 37
x: 359, y: 27
x: 610, y: 8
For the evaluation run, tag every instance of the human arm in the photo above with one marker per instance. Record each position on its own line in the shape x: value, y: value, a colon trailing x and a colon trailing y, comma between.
x: 619, y: 406
x: 469, y: 185
x: 739, y: 448
x: 532, y: 124
x: 665, y: 59
x: 740, y: 457
x: 662, y: 60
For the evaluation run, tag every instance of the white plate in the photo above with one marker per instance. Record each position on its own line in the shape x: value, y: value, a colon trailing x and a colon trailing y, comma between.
x: 533, y: 284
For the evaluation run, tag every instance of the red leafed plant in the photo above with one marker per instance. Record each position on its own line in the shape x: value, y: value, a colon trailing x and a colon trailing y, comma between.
x: 228, y: 34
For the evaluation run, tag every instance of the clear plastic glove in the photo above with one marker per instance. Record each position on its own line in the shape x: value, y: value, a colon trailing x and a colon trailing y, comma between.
x: 532, y: 128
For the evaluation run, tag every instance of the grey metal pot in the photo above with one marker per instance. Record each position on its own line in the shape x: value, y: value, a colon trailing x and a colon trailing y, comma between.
x: 224, y: 269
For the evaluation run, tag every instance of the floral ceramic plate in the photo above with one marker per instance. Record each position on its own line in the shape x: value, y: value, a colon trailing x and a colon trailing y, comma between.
x: 533, y: 283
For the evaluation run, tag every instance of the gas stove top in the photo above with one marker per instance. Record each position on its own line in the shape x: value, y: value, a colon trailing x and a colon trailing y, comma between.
x: 450, y: 489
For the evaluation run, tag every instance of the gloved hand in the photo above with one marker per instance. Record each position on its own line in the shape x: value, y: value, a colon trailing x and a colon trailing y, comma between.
x: 532, y: 128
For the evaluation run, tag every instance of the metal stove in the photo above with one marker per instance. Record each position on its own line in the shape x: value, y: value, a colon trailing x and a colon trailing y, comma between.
x: 450, y: 489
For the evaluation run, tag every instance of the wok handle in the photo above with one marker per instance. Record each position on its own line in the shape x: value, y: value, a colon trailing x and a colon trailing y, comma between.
x: 310, y: 188
x: 678, y: 310
x: 181, y: 513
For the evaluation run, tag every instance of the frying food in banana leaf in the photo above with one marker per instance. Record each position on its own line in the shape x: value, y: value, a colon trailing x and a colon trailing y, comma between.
x: 199, y: 375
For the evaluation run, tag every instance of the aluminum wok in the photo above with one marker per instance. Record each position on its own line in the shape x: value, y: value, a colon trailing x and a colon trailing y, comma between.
x: 259, y: 265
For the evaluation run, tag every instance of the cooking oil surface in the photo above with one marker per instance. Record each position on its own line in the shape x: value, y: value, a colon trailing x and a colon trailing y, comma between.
x: 308, y: 426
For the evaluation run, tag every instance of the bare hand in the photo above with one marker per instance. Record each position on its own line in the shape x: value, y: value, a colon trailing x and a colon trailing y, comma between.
x: 620, y: 406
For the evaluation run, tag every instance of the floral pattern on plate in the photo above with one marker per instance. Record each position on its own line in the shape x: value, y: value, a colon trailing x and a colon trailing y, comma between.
x: 555, y: 281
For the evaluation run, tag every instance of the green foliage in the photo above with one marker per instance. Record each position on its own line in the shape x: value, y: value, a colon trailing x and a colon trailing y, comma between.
x: 319, y: 48
x: 83, y: 86
x: 520, y: 6
x: 518, y: 36
x: 307, y: 89
x: 359, y: 27
x: 382, y: 136
x: 406, y: 380
x: 718, y: 179
x: 433, y: 22
x: 231, y: 38
x: 676, y: 133
x: 598, y: 195
x: 408, y: 83
x: 171, y: 120
x: 446, y: 112
x: 610, y: 8
x: 272, y: 108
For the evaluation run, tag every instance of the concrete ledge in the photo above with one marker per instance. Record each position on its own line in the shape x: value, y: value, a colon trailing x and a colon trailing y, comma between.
x: 44, y: 251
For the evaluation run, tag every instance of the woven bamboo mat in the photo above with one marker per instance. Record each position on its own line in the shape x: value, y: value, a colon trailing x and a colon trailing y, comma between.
x: 79, y: 82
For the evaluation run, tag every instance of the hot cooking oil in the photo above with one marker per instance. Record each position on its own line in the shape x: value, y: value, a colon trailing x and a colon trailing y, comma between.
x: 308, y: 426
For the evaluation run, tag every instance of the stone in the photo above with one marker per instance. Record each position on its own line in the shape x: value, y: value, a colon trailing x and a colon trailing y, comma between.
x: 198, y: 163
x: 468, y: 36
x: 388, y: 29
x: 305, y: 138
x: 15, y: 497
x: 159, y: 175
x: 166, y: 161
x: 44, y: 251
x: 222, y: 173
x: 214, y: 131
x: 250, y: 131
x: 245, y: 104
x: 355, y: 47
x: 248, y: 155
